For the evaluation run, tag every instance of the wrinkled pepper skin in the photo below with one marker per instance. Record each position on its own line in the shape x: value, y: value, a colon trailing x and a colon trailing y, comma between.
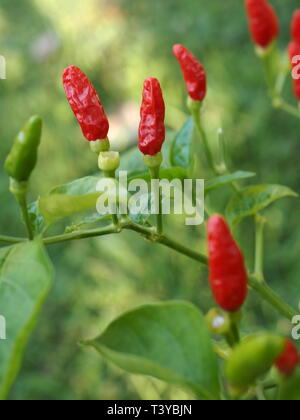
x: 263, y: 22
x: 85, y: 104
x: 228, y: 275
x: 22, y: 158
x: 152, y: 126
x: 288, y: 360
x: 251, y: 359
x: 295, y: 28
x: 294, y: 50
x: 193, y: 72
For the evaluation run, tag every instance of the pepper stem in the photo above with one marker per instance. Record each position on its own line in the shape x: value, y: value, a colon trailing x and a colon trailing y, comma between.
x: 259, y: 247
x: 19, y: 190
x: 154, y: 164
x: 195, y: 107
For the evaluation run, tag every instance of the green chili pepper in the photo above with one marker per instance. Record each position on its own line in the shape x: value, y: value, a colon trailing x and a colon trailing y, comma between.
x: 251, y: 359
x: 23, y: 156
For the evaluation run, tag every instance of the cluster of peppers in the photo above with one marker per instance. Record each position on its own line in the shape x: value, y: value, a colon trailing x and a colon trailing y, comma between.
x: 228, y: 274
x: 255, y: 355
x: 264, y: 28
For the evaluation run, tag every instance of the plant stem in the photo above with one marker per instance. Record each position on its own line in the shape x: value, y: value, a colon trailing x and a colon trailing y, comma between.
x: 19, y: 191
x: 112, y: 174
x: 168, y: 242
x: 154, y: 173
x: 268, y: 65
x: 259, y: 247
x: 165, y: 240
x: 83, y: 234
x: 290, y: 109
x: 261, y: 288
x: 22, y: 200
x: 11, y: 239
x: 202, y: 134
x: 271, y: 297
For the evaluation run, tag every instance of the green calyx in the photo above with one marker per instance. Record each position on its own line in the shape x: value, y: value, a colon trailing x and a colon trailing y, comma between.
x: 218, y: 321
x: 18, y: 188
x: 154, y: 161
x: 22, y: 158
x: 109, y: 161
x: 194, y: 106
x: 251, y: 359
x: 265, y: 52
x: 100, y: 146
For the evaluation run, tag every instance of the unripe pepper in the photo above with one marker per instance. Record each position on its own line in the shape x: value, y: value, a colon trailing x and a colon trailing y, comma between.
x: 85, y: 104
x: 293, y: 51
x: 295, y: 28
x: 193, y: 72
x: 289, y: 359
x: 23, y: 156
x: 251, y: 359
x: 228, y: 275
x: 152, y: 125
x: 263, y: 22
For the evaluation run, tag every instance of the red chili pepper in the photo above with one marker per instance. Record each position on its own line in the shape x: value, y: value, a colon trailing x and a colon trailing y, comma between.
x: 228, y: 275
x: 263, y: 22
x: 296, y: 27
x: 85, y: 104
x: 293, y: 51
x: 152, y: 125
x: 289, y: 359
x: 193, y: 72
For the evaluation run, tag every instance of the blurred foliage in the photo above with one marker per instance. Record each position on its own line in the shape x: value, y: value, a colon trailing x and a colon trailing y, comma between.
x: 118, y: 43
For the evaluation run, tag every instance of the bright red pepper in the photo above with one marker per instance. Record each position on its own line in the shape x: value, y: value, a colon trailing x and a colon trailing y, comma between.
x: 85, y: 104
x: 293, y: 51
x: 263, y: 22
x: 228, y: 275
x: 193, y: 72
x: 152, y: 125
x: 295, y: 29
x: 289, y: 359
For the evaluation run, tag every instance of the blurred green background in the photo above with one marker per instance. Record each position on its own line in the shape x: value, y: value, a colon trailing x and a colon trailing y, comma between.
x: 118, y: 43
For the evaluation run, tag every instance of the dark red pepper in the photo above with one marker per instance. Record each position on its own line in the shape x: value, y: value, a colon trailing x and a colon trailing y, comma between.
x: 295, y: 29
x: 193, y: 72
x: 263, y: 22
x: 228, y: 275
x: 293, y: 51
x: 288, y: 360
x: 152, y: 125
x: 85, y: 104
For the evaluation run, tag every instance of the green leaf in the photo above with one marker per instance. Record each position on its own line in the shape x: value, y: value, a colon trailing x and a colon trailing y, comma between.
x: 26, y: 275
x: 132, y: 161
x: 222, y: 180
x: 81, y: 186
x: 181, y: 149
x: 289, y: 389
x: 65, y: 200
x: 81, y: 195
x: 58, y: 206
x: 169, y: 341
x: 251, y: 200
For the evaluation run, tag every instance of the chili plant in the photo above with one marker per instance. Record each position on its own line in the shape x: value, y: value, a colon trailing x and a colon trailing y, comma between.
x: 172, y: 341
